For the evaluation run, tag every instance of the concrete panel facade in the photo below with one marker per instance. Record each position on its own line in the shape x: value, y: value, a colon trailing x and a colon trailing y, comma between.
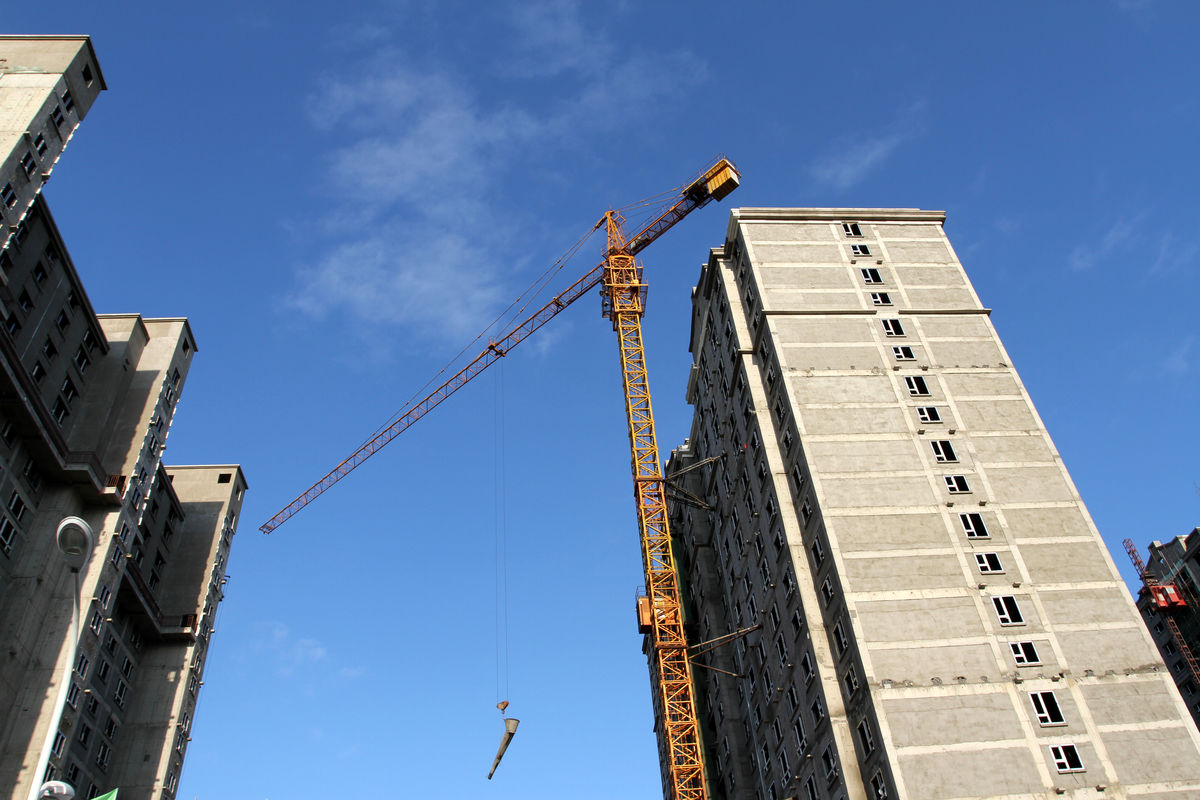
x: 86, y: 409
x: 926, y: 608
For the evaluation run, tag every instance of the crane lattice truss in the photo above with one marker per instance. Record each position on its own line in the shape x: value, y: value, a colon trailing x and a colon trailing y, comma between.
x: 679, y: 727
x: 623, y: 295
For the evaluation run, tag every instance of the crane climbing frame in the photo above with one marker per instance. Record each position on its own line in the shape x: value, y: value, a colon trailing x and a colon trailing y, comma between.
x: 623, y: 296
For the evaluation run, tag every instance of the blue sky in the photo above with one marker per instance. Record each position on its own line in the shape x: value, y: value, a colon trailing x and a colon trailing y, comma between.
x: 341, y: 197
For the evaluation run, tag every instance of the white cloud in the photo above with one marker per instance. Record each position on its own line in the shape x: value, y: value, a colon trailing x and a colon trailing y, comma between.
x: 438, y: 288
x: 851, y: 159
x: 415, y: 230
x: 554, y: 39
x: 1086, y: 256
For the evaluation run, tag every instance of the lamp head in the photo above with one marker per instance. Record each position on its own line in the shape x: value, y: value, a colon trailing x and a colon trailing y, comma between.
x: 75, y: 542
x: 56, y: 790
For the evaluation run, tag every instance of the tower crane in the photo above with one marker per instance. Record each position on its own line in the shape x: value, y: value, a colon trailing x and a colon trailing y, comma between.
x: 623, y: 295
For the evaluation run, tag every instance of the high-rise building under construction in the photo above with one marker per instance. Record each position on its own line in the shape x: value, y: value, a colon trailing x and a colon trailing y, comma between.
x: 86, y: 405
x: 927, y: 609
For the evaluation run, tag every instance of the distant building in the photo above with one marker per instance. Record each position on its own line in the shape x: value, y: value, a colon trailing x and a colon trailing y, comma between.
x: 86, y: 405
x: 932, y: 612
x: 1177, y: 562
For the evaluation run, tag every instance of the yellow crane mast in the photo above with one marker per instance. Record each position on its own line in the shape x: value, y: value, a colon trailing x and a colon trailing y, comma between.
x: 623, y: 294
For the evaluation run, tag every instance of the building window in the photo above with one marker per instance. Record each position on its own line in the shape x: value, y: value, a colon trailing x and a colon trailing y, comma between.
x: 870, y: 275
x: 818, y: 552
x: 39, y: 144
x: 119, y: 694
x: 105, y: 595
x: 49, y: 350
x: 82, y: 360
x: 928, y: 414
x: 806, y: 667
x: 881, y: 299
x: 988, y: 562
x: 892, y: 327
x: 8, y: 533
x: 917, y: 386
x: 904, y: 353
x: 839, y: 639
x: 87, y: 74
x: 818, y: 711
x: 1007, y: 610
x: 973, y: 527
x: 829, y: 761
x: 943, y: 451
x: 797, y: 621
x: 102, y: 753
x: 1066, y: 758
x: 1045, y: 706
x: 851, y: 680
x: 17, y: 506
x: 60, y: 741
x: 60, y: 412
x: 851, y: 229
x: 956, y: 484
x: 73, y: 695
x: 68, y: 101
x: 28, y: 164
x: 878, y: 787
x: 810, y: 790
x: 797, y: 477
x: 859, y: 250
x: 827, y: 592
x: 85, y: 733
x: 865, y: 738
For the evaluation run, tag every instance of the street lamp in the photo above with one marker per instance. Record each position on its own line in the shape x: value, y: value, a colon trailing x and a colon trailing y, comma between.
x: 75, y: 541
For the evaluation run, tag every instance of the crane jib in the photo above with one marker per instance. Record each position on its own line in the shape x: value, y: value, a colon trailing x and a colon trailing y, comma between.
x: 716, y: 182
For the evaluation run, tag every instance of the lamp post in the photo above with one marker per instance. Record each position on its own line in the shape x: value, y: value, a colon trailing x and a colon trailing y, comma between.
x: 75, y: 541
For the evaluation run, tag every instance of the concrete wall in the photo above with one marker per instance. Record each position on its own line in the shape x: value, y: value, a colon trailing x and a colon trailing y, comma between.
x: 922, y: 589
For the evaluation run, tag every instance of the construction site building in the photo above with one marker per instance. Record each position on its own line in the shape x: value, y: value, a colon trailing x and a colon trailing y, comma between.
x: 87, y: 403
x: 1176, y: 562
x: 932, y: 611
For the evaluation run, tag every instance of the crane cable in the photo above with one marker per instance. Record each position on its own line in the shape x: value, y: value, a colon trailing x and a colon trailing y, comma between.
x: 501, y: 545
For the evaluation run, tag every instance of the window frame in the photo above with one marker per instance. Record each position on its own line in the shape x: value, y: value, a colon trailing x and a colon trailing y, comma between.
x: 1008, y: 610
x: 1047, y: 709
x: 1063, y: 754
x: 929, y: 415
x: 989, y: 563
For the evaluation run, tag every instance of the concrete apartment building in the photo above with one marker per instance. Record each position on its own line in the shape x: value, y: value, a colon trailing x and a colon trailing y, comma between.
x: 934, y: 613
x: 86, y: 405
x: 1177, y: 563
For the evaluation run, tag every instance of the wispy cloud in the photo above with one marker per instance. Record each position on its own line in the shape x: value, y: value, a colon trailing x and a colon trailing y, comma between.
x: 1173, y: 252
x: 1179, y: 360
x: 851, y: 159
x: 1121, y: 231
x: 414, y: 222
